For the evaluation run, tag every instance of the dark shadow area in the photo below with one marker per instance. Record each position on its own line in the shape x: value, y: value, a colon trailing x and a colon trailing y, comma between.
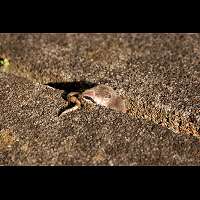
x: 75, y: 86
x: 67, y: 87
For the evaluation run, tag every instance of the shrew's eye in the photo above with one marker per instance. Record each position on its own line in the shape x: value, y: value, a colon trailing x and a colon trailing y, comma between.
x: 107, y: 95
x: 104, y: 94
x: 89, y: 98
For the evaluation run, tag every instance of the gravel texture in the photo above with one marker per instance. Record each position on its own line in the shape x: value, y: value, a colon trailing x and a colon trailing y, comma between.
x: 159, y: 74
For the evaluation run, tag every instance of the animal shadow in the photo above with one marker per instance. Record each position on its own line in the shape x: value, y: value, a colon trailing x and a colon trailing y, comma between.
x: 75, y: 86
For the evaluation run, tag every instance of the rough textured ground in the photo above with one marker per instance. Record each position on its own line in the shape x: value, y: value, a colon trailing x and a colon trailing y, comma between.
x: 158, y: 73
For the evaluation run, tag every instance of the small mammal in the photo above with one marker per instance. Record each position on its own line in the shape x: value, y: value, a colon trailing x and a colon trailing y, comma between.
x: 101, y: 94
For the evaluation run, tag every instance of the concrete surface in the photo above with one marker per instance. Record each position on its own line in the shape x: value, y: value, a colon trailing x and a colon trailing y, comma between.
x: 158, y: 73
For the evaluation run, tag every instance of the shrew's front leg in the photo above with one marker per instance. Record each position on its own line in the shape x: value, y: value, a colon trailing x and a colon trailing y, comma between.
x: 71, y: 98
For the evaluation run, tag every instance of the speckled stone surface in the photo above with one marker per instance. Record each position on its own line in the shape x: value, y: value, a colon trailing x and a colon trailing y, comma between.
x: 158, y: 73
